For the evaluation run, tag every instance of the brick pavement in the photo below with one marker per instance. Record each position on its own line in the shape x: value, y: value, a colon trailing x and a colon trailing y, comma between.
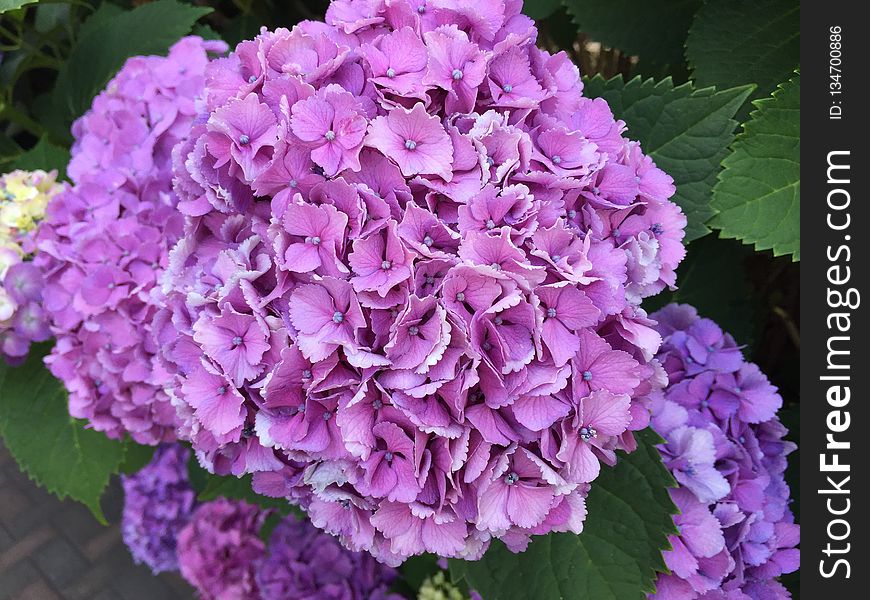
x: 52, y: 549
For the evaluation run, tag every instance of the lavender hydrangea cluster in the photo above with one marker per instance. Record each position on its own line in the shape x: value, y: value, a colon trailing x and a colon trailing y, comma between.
x: 303, y: 562
x: 105, y: 241
x: 407, y: 295
x: 158, y: 503
x: 724, y: 445
x: 22, y: 318
x: 23, y: 199
x: 220, y: 549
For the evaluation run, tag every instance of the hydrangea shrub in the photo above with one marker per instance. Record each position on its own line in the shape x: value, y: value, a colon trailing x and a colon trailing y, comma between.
x: 391, y: 265
x: 725, y: 447
x: 407, y: 297
x: 104, y: 243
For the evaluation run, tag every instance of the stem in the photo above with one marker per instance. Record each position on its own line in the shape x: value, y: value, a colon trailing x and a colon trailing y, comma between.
x: 790, y: 327
x: 20, y: 43
x: 19, y: 118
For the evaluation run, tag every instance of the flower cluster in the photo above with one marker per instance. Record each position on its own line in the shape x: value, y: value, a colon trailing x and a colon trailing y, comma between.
x: 439, y: 587
x: 220, y: 548
x: 23, y: 198
x: 407, y: 297
x: 158, y: 503
x: 105, y: 241
x: 303, y: 562
x: 724, y: 446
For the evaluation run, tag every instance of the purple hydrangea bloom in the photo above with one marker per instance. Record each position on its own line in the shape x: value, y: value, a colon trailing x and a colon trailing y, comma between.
x: 724, y: 445
x: 303, y: 562
x: 22, y: 316
x: 105, y: 241
x: 407, y: 297
x: 220, y: 549
x: 158, y: 503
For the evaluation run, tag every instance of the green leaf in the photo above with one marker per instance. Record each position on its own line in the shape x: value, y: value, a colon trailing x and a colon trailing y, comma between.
x: 758, y: 193
x: 205, y: 31
x: 271, y: 521
x: 745, y: 41
x: 209, y: 487
x: 615, y: 558
x: 541, y: 9
x: 9, y: 149
x: 136, y: 456
x: 44, y: 155
x: 106, y: 40
x: 6, y: 5
x: 417, y: 569
x: 655, y: 30
x: 239, y: 488
x: 686, y: 131
x: 51, y: 15
x: 54, y: 449
x: 197, y: 476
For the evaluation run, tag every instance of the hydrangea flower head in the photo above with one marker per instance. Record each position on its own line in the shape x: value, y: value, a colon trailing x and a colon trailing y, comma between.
x: 105, y: 241
x: 407, y: 297
x: 724, y: 446
x: 158, y: 503
x: 220, y: 548
x: 303, y: 562
x: 24, y: 196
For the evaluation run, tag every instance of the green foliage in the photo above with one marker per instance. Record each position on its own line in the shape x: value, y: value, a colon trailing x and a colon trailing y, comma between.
x: 108, y: 39
x: 9, y: 150
x: 744, y: 41
x: 758, y: 193
x: 271, y: 521
x: 415, y: 571
x: 209, y: 487
x: 655, y: 30
x: 712, y: 278
x: 44, y: 155
x: 541, y: 9
x: 136, y: 456
x: 7, y: 5
x: 54, y: 449
x: 686, y: 131
x: 50, y: 15
x: 615, y: 558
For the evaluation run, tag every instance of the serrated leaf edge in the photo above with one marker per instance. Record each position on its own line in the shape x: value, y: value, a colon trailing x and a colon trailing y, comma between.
x: 759, y: 104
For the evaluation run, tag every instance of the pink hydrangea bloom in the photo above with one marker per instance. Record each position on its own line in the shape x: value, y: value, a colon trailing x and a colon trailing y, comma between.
x: 403, y: 300
x: 105, y: 241
x: 724, y: 446
x: 220, y: 549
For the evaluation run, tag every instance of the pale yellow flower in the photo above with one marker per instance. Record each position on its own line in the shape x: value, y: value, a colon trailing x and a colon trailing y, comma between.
x: 24, y: 196
x: 438, y: 588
